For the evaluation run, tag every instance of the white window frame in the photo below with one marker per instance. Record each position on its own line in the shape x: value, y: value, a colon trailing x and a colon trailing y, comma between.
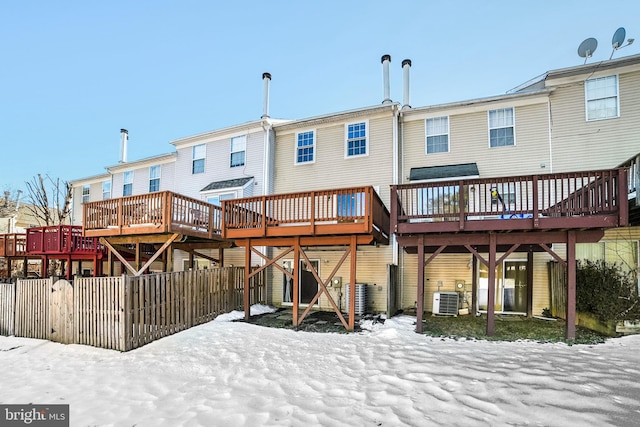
x: 502, y: 126
x: 241, y: 148
x: 125, y: 182
x: 217, y: 198
x: 154, y: 177
x: 106, y: 190
x: 598, y: 98
x: 86, y: 193
x: 198, y: 153
x: 428, y: 135
x: 312, y: 147
x: 346, y: 139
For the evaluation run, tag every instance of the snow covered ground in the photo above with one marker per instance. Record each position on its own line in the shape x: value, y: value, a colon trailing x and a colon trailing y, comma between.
x: 237, y: 374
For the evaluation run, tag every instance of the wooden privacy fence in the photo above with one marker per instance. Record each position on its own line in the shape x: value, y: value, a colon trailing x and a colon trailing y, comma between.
x: 125, y: 312
x: 558, y: 289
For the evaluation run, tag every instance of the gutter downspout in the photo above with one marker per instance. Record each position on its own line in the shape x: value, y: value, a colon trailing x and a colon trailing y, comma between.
x: 395, y: 179
x: 550, y: 136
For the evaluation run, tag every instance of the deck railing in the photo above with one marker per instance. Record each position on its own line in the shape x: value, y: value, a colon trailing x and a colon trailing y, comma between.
x: 161, y: 212
x: 61, y: 239
x: 357, y: 210
x: 13, y: 244
x: 566, y: 200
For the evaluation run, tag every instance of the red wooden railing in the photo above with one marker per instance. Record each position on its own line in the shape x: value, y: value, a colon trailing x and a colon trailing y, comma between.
x: 357, y: 210
x: 61, y: 239
x: 161, y: 212
x: 13, y: 244
x: 589, y: 199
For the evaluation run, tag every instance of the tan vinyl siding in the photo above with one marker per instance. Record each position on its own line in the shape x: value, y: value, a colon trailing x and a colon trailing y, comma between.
x: 581, y: 145
x: 331, y: 169
x: 449, y: 268
x: 371, y: 270
x: 469, y: 143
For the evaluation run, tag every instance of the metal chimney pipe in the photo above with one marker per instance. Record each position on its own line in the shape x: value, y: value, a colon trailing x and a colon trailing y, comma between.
x: 266, y: 79
x: 386, y: 59
x: 406, y: 66
x: 123, y: 145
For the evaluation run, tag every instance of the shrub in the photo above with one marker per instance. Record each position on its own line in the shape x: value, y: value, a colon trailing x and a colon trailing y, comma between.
x: 607, y: 291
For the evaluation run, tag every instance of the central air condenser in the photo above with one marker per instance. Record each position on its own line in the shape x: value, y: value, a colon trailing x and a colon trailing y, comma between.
x: 445, y: 303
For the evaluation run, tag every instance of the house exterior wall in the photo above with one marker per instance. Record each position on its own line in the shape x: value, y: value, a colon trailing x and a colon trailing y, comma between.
x: 469, y: 138
x: 217, y: 161
x: 578, y: 144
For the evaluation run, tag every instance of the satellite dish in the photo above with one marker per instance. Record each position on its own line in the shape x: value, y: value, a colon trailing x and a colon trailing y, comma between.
x: 618, y: 38
x: 587, y: 47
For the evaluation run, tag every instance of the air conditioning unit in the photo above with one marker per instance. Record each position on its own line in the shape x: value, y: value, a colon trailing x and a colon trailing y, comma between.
x: 445, y: 303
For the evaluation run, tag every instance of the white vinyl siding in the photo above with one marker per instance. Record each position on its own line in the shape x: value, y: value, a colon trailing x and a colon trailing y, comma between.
x: 305, y: 147
x: 601, y: 96
x: 238, y: 151
x: 198, y: 157
x: 501, y: 128
x: 437, y: 135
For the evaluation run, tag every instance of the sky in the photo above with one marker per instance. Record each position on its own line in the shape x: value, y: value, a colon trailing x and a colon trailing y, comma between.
x: 230, y: 374
x: 75, y: 72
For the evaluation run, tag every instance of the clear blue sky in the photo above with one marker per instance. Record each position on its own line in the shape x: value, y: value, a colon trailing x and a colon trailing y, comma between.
x: 73, y: 73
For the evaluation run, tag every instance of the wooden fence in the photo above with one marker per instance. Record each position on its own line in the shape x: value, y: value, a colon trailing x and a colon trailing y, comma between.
x: 125, y: 312
x: 558, y: 289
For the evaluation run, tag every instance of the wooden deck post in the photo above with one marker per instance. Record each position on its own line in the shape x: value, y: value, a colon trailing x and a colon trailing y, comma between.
x: 296, y: 279
x: 570, y: 327
x: 420, y: 297
x: 352, y: 283
x: 247, y: 288
x: 491, y: 291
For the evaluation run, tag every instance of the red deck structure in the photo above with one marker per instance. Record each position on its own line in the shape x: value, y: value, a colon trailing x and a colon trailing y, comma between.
x: 508, y: 214
x: 62, y: 242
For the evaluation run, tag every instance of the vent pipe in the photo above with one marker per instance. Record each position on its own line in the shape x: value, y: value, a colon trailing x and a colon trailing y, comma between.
x: 386, y: 59
x: 123, y: 145
x: 266, y: 79
x: 406, y: 66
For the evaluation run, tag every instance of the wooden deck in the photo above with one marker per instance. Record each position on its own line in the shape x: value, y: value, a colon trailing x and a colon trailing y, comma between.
x: 61, y: 240
x: 343, y: 212
x: 580, y: 200
x: 154, y: 213
x: 13, y: 245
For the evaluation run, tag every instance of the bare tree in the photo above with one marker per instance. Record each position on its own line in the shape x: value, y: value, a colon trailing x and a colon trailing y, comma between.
x: 49, y: 200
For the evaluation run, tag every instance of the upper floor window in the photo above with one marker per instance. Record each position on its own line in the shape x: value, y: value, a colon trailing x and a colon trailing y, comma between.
x: 238, y: 149
x: 154, y: 178
x: 602, y: 97
x: 501, y: 128
x: 86, y: 189
x: 127, y: 187
x: 437, y: 135
x: 305, y: 147
x: 106, y: 190
x: 198, y: 156
x: 356, y: 139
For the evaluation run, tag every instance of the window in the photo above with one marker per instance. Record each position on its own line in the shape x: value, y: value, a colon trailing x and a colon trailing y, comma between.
x: 127, y: 188
x: 238, y: 148
x: 154, y: 179
x: 356, y: 139
x: 501, y: 133
x: 622, y: 252
x: 351, y: 205
x: 85, y: 193
x: 438, y: 135
x: 106, y: 190
x: 602, y: 97
x: 305, y: 147
x: 218, y: 198
x: 199, y: 152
